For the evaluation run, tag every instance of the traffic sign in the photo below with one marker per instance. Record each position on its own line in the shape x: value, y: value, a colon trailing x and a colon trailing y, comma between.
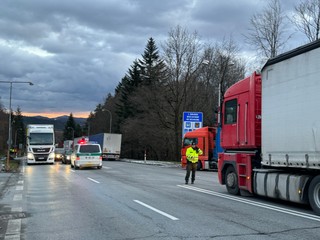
x: 191, y: 121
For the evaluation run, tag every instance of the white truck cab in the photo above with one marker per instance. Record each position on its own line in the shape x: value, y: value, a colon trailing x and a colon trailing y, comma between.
x: 40, y: 143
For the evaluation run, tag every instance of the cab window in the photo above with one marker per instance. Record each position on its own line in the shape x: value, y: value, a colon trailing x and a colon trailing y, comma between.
x: 230, y: 113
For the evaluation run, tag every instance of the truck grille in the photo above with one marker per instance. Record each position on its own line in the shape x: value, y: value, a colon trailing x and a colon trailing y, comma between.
x: 40, y: 150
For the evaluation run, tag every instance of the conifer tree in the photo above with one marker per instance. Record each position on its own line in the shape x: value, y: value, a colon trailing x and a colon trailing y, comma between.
x: 70, y: 128
x: 18, y: 130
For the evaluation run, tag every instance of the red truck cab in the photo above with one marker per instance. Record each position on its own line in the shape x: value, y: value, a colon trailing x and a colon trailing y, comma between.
x: 241, y: 134
x: 205, y: 139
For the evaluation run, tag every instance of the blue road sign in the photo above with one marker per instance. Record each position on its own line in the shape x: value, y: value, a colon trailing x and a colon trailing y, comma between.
x: 191, y: 121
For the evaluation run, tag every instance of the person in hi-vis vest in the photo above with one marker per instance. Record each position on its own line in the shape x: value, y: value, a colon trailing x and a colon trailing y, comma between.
x: 192, y: 155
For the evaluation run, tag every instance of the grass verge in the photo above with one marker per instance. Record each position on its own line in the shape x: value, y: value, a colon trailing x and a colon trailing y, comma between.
x: 13, y: 165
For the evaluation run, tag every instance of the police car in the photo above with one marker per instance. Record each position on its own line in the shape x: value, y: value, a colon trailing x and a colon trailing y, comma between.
x: 86, y: 154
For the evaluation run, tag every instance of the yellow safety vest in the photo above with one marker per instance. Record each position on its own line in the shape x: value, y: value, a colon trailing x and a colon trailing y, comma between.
x: 193, y: 155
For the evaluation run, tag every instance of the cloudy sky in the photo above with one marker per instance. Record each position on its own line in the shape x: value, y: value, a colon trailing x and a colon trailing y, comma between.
x: 75, y: 52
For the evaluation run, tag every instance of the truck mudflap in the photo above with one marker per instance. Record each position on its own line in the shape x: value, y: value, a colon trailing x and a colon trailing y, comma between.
x: 281, y: 185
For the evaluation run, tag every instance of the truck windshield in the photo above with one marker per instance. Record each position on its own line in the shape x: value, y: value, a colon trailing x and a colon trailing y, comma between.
x: 41, y: 139
x: 189, y: 141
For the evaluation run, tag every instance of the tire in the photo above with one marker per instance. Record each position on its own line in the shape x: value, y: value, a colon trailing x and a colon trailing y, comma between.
x: 99, y: 167
x: 314, y: 194
x: 231, y: 180
x: 71, y: 165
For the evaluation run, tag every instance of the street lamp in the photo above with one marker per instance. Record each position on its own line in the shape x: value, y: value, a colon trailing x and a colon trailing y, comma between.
x: 110, y: 118
x: 10, y: 113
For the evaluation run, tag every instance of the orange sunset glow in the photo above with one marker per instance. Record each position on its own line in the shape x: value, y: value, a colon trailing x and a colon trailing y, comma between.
x: 56, y: 114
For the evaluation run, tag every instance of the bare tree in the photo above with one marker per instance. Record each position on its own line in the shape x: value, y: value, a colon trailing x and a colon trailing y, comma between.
x: 267, y: 30
x: 182, y: 55
x: 224, y: 68
x: 307, y: 18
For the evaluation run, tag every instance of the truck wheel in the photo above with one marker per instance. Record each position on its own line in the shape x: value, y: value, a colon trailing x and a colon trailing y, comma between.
x: 314, y: 194
x: 232, y: 181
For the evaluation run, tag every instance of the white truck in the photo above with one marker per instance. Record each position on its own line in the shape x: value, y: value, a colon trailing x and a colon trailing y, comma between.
x: 40, y: 143
x: 67, y: 145
x: 110, y: 144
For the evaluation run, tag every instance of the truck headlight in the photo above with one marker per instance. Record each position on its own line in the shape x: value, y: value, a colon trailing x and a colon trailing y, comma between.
x: 30, y: 156
x: 51, y: 155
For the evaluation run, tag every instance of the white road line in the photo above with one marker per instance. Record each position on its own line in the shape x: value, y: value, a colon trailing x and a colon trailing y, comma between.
x: 156, y: 210
x: 14, y: 227
x: 93, y: 180
x: 16, y: 209
x: 12, y: 237
x: 249, y: 202
x: 106, y: 167
x: 17, y: 197
x: 19, y: 188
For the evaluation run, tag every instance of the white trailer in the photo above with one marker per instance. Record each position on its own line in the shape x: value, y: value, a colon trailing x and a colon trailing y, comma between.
x: 291, y: 127
x: 110, y: 144
x: 68, y: 145
x: 40, y: 143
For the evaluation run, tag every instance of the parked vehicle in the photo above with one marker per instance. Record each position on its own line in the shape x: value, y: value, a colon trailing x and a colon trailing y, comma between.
x: 205, y: 138
x: 86, y: 155
x: 40, y: 143
x: 271, y: 130
x: 110, y: 144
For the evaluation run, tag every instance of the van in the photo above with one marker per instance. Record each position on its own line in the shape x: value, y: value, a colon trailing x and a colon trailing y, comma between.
x: 86, y: 155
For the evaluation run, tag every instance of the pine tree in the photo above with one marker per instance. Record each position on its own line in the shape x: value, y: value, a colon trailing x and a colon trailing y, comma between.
x: 129, y: 84
x: 69, y: 131
x: 18, y: 130
x: 152, y: 67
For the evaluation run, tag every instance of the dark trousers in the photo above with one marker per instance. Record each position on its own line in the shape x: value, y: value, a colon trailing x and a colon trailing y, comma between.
x: 191, y: 167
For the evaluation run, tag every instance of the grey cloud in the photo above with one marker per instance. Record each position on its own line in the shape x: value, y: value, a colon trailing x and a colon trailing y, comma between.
x: 76, y: 52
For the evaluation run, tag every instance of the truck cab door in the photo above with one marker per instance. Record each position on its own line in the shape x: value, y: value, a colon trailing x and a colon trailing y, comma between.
x: 235, y: 122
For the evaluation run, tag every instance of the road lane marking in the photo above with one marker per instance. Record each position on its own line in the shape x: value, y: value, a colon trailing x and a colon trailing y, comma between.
x: 93, y: 180
x: 249, y: 202
x: 19, y: 188
x: 156, y: 210
x: 106, y: 167
x: 17, y: 197
x: 14, y: 227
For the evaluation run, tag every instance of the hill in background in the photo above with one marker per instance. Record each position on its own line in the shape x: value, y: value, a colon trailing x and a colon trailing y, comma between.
x: 58, y: 122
